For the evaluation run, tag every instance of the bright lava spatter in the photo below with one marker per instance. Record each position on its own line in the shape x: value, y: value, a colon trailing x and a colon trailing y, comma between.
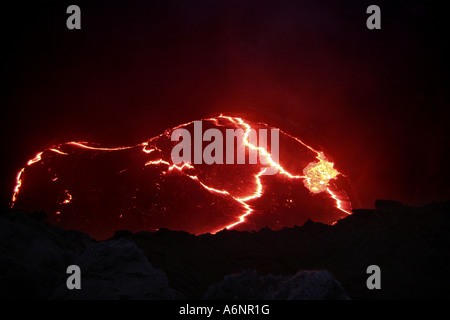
x: 316, y: 175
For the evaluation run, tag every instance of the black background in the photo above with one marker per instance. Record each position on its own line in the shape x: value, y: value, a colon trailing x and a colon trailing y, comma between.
x: 375, y: 100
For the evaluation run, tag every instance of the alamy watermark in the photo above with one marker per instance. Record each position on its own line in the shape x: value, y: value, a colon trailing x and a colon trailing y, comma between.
x: 237, y: 141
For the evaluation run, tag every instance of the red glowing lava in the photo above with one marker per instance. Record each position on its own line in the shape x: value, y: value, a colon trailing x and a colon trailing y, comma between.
x: 141, y: 189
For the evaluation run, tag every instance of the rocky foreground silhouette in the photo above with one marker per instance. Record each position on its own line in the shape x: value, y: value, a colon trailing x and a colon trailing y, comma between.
x: 411, y: 245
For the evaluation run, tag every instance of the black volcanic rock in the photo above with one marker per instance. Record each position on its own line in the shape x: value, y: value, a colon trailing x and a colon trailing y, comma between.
x: 304, y: 285
x: 411, y: 245
x: 117, y: 269
x: 34, y: 255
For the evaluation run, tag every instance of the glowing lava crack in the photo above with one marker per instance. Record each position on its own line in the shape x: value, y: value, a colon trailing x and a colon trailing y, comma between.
x: 102, y: 189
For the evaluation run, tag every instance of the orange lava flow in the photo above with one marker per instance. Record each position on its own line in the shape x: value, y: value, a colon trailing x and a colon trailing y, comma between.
x: 316, y: 175
x: 68, y: 197
x: 55, y: 149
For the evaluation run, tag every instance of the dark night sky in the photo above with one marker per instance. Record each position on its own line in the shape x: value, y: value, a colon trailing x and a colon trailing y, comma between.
x: 376, y: 101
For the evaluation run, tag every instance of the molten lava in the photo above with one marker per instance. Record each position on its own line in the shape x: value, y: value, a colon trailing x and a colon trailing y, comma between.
x: 99, y: 189
x: 318, y: 174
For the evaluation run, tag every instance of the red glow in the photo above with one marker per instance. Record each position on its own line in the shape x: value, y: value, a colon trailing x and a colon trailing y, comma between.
x: 316, y: 176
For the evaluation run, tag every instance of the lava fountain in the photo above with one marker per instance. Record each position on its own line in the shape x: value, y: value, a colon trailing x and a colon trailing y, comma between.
x: 98, y: 189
